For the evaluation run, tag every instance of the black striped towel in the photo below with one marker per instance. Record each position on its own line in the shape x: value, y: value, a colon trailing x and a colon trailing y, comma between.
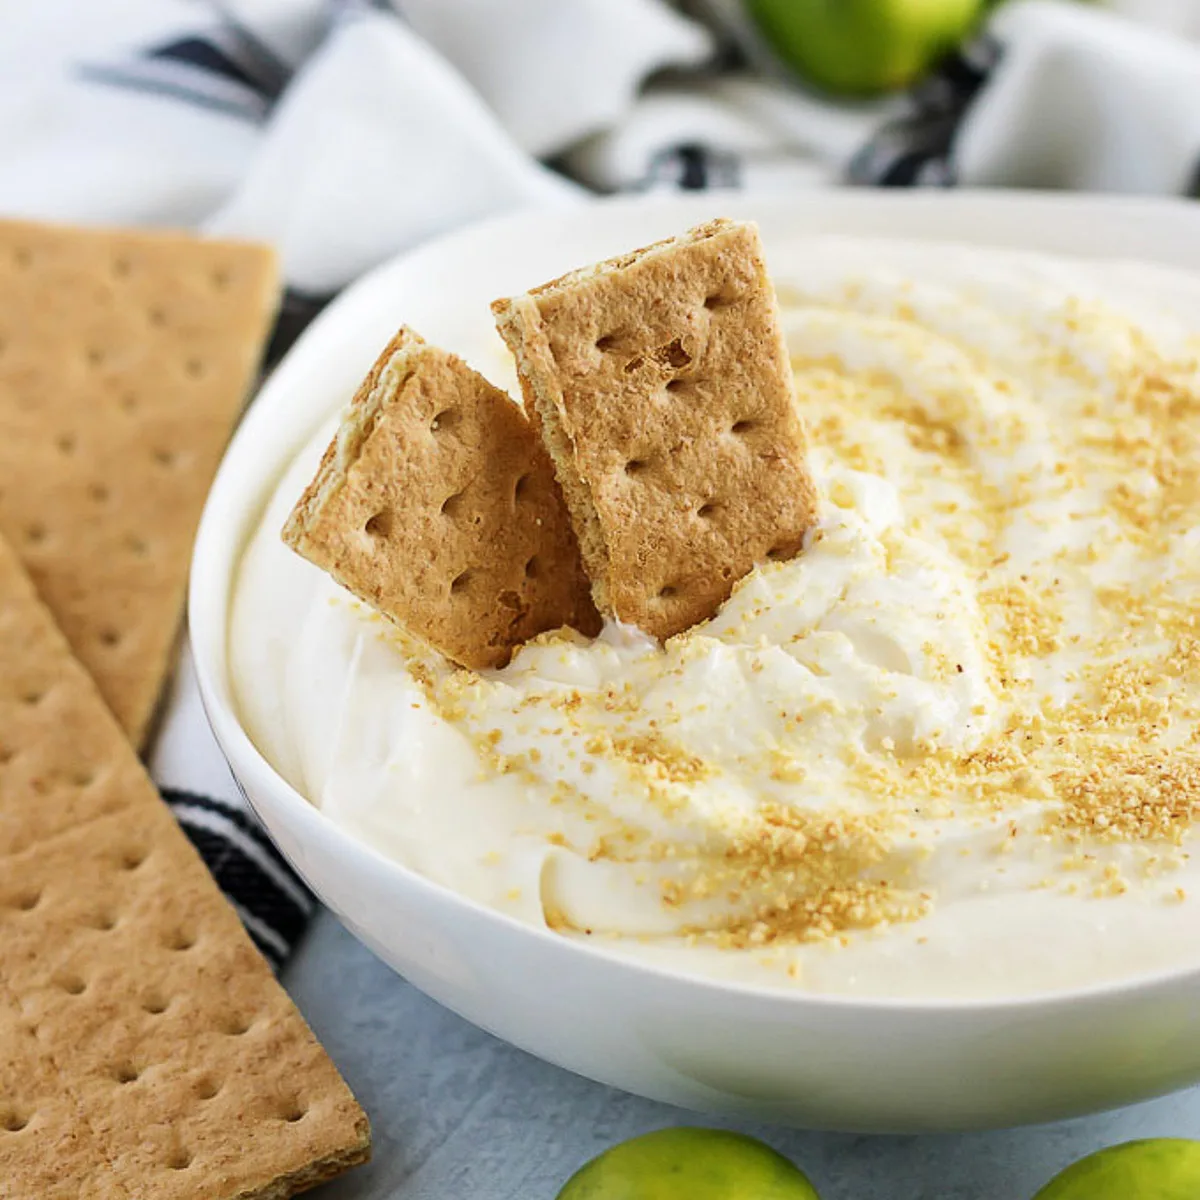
x: 195, y: 781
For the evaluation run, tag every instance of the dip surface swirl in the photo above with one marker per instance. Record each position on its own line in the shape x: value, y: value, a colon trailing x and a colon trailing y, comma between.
x: 951, y: 750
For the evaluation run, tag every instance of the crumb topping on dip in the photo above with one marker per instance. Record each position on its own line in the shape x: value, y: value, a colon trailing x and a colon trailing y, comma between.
x: 953, y: 748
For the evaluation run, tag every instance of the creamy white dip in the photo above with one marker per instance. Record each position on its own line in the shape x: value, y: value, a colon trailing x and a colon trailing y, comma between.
x: 951, y: 750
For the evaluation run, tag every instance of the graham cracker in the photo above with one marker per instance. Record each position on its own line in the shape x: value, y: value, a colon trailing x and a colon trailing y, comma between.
x: 145, y: 1047
x: 45, y: 1152
x: 661, y: 385
x: 437, y: 505
x: 125, y: 358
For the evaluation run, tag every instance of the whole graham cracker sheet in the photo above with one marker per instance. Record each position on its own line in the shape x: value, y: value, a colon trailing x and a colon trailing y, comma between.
x: 125, y: 358
x: 661, y: 385
x: 145, y: 1047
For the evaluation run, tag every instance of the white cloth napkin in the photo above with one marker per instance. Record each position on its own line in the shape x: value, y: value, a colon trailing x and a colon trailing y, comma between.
x: 1125, y: 102
x: 1180, y: 17
x: 1053, y: 95
x: 344, y: 132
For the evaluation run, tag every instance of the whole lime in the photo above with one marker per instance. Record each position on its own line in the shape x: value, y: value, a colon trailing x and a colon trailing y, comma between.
x: 700, y: 1164
x: 1154, y: 1169
x: 863, y: 46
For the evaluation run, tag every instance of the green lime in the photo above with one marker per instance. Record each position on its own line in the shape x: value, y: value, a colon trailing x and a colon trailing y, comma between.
x: 863, y: 46
x: 700, y: 1164
x: 1155, y: 1169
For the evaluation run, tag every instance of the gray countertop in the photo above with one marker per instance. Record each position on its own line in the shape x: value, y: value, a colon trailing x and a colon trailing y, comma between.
x: 458, y: 1115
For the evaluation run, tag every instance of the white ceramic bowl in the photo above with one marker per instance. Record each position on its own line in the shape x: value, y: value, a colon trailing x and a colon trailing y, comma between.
x: 822, y: 1062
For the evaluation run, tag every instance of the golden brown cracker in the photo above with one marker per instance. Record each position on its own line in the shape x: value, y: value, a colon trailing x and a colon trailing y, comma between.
x: 150, y: 1051
x: 46, y: 1151
x: 125, y: 358
x: 437, y: 505
x: 661, y: 385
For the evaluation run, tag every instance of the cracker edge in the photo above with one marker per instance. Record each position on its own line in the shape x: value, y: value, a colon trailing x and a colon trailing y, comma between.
x: 391, y: 370
x: 519, y: 323
x: 286, y: 1186
x: 618, y: 262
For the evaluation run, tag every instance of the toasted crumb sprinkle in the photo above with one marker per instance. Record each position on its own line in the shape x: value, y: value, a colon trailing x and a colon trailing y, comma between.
x: 1131, y: 794
x: 1088, y: 746
x: 653, y: 755
x: 786, y: 767
x: 1031, y: 624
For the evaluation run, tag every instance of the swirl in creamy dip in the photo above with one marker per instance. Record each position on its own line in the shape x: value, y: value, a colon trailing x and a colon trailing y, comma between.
x: 951, y: 749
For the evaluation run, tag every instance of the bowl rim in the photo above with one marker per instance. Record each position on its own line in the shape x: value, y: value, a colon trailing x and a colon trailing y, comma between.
x: 227, y: 521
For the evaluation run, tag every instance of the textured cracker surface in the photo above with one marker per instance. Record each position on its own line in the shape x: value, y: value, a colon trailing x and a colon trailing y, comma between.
x: 124, y: 360
x: 661, y: 385
x: 145, y: 1048
x: 442, y: 511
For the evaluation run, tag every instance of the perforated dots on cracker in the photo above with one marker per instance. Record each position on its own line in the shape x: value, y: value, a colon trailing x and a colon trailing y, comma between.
x: 661, y: 386
x: 437, y: 505
x: 125, y: 358
x: 145, y: 1047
